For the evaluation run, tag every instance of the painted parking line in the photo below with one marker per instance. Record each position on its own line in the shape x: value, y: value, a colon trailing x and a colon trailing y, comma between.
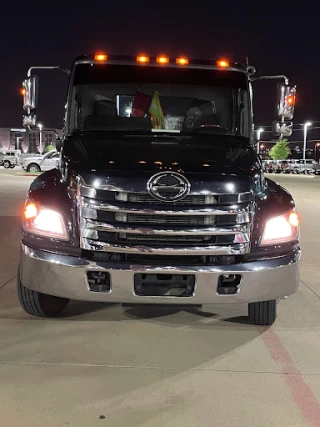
x: 301, y: 393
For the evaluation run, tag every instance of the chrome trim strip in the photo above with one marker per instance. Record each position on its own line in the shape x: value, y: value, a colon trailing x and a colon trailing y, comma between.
x: 93, y: 245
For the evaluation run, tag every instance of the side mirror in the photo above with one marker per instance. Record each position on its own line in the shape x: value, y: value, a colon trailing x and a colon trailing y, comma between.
x: 29, y: 120
x: 286, y: 98
x: 30, y: 97
x: 282, y: 128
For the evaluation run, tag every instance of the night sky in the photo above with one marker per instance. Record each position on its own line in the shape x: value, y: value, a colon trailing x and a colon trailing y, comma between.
x: 278, y: 39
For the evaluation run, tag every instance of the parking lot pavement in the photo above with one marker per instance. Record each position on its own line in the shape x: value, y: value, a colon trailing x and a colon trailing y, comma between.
x: 106, y: 365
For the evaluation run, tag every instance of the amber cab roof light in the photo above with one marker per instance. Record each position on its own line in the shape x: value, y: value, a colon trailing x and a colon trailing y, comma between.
x: 162, y: 60
x: 223, y: 63
x: 143, y: 59
x: 100, y: 57
x: 182, y: 60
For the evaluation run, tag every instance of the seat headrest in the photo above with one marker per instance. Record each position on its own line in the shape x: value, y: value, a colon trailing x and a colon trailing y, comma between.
x: 201, y: 107
x: 105, y: 108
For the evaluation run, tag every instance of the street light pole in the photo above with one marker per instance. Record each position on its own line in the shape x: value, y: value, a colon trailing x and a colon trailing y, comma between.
x: 258, y: 139
x: 17, y: 142
x: 315, y: 150
x: 305, y: 130
x: 40, y: 126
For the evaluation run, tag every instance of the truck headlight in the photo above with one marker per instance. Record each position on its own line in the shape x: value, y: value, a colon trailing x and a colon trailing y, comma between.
x: 281, y: 229
x: 44, y: 222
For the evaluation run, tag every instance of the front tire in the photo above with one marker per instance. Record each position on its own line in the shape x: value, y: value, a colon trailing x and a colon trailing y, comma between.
x: 6, y: 164
x: 38, y: 304
x: 263, y: 313
x: 33, y: 168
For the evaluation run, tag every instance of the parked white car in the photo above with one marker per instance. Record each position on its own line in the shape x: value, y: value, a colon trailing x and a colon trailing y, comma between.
x: 10, y: 158
x: 41, y: 163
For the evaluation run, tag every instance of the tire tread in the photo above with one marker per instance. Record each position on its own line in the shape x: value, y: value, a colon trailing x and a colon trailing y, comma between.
x: 263, y: 313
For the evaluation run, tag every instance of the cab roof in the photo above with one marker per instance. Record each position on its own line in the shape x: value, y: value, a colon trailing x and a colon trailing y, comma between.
x: 162, y: 60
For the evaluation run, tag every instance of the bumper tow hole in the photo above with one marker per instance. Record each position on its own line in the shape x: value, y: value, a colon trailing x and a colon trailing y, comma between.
x: 99, y: 281
x: 228, y: 284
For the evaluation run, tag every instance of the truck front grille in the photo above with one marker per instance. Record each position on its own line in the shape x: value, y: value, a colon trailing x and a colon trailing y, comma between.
x: 137, y: 224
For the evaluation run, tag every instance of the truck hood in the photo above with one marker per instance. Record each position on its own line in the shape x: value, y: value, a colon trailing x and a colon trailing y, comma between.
x: 32, y: 159
x: 218, y: 156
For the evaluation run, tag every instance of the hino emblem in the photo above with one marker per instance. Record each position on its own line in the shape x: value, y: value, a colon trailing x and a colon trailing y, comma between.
x: 168, y: 186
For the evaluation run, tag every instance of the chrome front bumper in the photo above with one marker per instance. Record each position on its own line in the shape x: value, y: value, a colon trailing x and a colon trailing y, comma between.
x: 65, y: 276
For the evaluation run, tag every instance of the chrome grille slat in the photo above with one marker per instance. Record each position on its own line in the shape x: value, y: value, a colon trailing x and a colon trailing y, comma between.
x: 170, y: 210
x: 169, y: 220
x: 212, y: 231
x: 187, y: 220
x: 188, y: 200
x: 191, y: 199
x: 94, y: 245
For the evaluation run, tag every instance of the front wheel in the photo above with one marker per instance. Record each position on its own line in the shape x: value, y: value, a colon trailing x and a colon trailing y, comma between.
x: 6, y: 164
x: 263, y: 313
x: 33, y: 168
x: 38, y: 304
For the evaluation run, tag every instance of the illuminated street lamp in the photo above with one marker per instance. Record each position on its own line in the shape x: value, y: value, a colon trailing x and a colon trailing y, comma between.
x: 40, y: 126
x: 305, y: 130
x: 258, y: 138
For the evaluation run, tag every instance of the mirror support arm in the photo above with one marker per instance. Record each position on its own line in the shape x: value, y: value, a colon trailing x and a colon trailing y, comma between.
x: 278, y: 77
x: 49, y: 67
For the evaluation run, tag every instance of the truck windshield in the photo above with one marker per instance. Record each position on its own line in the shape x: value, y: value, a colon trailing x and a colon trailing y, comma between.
x: 163, y: 99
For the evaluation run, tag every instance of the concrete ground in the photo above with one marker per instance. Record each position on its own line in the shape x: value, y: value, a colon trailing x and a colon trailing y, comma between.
x: 113, y: 366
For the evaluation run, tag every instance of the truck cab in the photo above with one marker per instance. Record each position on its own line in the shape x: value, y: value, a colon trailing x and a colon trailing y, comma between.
x: 160, y: 195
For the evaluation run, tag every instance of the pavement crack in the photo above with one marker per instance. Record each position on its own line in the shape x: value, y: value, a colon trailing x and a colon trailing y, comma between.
x: 110, y: 366
x: 318, y: 296
x: 2, y: 286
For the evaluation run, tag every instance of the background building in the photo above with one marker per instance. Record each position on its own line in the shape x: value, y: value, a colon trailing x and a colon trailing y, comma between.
x: 26, y: 141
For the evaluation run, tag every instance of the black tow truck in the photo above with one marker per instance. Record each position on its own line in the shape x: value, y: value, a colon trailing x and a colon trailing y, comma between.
x: 160, y: 195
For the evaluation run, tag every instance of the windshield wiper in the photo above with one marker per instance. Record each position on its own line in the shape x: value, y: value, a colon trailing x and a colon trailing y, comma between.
x: 161, y: 138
